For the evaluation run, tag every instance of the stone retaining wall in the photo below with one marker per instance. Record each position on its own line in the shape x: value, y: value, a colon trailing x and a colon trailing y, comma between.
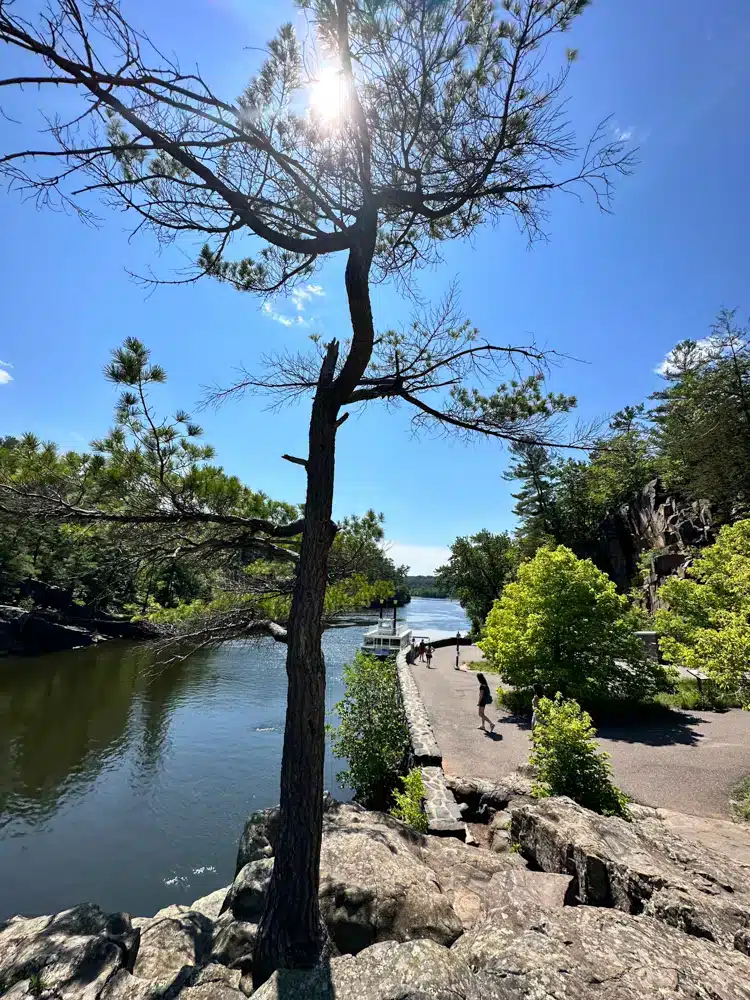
x: 443, y: 813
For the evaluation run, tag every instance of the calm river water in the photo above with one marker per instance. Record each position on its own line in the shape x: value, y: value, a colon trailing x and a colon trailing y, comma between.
x: 127, y: 785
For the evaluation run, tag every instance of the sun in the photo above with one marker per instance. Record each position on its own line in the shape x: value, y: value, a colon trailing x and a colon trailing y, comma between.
x: 328, y: 95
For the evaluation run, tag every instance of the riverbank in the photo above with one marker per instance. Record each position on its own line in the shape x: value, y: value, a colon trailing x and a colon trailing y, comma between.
x: 564, y: 903
x: 126, y: 782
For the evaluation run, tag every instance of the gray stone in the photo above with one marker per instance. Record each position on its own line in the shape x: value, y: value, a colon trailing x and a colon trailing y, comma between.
x: 210, y: 905
x: 443, y: 815
x: 125, y: 986
x: 75, y: 952
x: 424, y: 747
x: 247, y: 893
x: 482, y: 797
x: 499, y: 832
x: 415, y: 970
x: 373, y: 887
x: 172, y: 943
x: 589, y: 953
x: 638, y: 867
x: 258, y: 837
x: 233, y: 941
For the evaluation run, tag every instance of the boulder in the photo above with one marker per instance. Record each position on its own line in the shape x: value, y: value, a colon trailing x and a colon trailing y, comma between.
x: 483, y: 797
x: 588, y: 953
x: 466, y: 875
x: 374, y: 888
x: 233, y: 942
x: 641, y: 867
x: 247, y: 892
x: 31, y: 633
x: 258, y: 837
x: 211, y: 905
x: 414, y: 970
x: 499, y: 832
x: 173, y: 942
x: 74, y: 952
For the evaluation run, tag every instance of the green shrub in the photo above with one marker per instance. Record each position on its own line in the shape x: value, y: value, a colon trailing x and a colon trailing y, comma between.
x: 687, y: 694
x: 707, y: 625
x: 563, y: 625
x: 568, y: 761
x: 740, y: 801
x: 372, y: 734
x: 409, y: 802
x: 517, y: 701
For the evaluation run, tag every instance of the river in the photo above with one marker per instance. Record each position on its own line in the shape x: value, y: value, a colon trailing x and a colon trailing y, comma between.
x: 127, y: 785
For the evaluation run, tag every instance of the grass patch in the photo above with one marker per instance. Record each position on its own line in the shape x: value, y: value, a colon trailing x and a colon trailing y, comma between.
x: 686, y: 694
x: 477, y: 665
x: 740, y: 801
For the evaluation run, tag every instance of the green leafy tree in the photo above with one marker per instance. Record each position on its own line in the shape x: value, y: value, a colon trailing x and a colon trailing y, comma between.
x: 563, y: 625
x: 446, y: 120
x: 707, y: 625
x: 702, y: 418
x: 568, y: 761
x: 372, y: 734
x: 477, y: 570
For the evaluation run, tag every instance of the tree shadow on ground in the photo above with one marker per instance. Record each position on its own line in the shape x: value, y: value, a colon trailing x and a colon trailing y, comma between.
x: 669, y: 729
x: 651, y: 725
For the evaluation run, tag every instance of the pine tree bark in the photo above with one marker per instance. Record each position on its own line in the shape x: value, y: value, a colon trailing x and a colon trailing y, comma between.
x: 291, y: 933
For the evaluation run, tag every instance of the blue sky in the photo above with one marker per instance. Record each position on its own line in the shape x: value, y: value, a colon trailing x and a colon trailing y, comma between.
x: 614, y: 291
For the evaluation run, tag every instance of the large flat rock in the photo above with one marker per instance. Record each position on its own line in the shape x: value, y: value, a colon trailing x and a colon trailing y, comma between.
x: 641, y: 867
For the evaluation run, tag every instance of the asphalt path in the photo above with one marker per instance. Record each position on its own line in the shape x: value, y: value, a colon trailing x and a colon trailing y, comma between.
x: 688, y: 763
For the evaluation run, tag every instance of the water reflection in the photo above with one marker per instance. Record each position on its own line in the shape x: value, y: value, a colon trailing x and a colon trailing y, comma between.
x: 126, y: 783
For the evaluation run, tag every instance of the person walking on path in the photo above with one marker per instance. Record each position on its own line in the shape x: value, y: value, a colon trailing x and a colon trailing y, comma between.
x: 429, y: 655
x: 421, y: 651
x: 535, y: 705
x: 485, y: 699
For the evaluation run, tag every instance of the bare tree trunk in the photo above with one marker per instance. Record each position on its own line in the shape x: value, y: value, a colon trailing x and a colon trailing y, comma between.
x: 291, y: 933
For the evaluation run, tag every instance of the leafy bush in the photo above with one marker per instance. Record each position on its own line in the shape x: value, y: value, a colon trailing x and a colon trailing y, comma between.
x: 517, y: 701
x: 409, y: 802
x: 687, y: 694
x: 372, y: 735
x: 568, y: 761
x: 740, y: 801
x: 563, y: 625
x: 707, y: 625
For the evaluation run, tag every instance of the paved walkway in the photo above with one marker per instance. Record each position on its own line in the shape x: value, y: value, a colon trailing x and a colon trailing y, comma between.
x: 689, y: 765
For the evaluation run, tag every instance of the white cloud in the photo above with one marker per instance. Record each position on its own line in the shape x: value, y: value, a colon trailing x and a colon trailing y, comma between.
x: 703, y: 349
x: 624, y: 134
x: 5, y: 377
x: 301, y: 296
x: 277, y: 317
x: 422, y: 560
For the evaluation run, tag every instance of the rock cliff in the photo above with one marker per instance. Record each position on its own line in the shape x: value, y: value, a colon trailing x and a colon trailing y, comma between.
x: 652, y: 521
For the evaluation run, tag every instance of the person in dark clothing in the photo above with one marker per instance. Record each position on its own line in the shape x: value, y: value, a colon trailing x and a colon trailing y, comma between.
x: 485, y: 699
x: 422, y: 649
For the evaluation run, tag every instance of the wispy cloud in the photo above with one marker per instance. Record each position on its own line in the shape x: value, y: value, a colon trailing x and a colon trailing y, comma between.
x: 5, y: 376
x: 624, y: 134
x: 300, y: 298
x: 422, y: 560
x: 277, y: 317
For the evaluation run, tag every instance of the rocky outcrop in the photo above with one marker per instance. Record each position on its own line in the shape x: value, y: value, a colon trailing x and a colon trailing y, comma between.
x: 74, y: 953
x: 417, y: 970
x: 589, y: 908
x: 583, y: 953
x: 640, y: 867
x: 652, y: 521
x: 40, y: 630
x: 482, y: 797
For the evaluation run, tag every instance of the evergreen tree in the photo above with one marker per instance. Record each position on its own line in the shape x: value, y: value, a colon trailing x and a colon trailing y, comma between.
x: 477, y: 570
x: 445, y: 120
